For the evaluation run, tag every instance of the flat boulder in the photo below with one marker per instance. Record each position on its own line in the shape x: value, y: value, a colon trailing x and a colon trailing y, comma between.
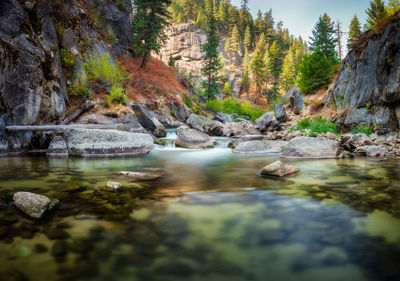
x: 205, y: 125
x: 193, y: 139
x: 87, y: 142
x: 267, y: 123
x: 32, y: 204
x: 311, y: 148
x: 371, y: 151
x: 279, y: 169
x: 260, y: 147
x: 139, y: 176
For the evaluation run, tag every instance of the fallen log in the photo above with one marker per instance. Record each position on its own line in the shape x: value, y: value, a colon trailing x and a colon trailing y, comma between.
x: 82, y: 108
x: 60, y: 127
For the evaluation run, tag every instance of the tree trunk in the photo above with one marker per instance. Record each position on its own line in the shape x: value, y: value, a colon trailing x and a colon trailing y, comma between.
x: 144, y: 60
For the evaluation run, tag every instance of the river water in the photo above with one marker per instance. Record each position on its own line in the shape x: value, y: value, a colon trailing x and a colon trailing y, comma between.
x: 211, y: 216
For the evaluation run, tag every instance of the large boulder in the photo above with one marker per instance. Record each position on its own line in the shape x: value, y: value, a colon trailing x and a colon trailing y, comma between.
x: 149, y: 120
x: 311, y: 148
x: 85, y: 142
x: 279, y: 169
x: 239, y: 129
x: 223, y: 118
x: 32, y: 204
x: 205, y: 125
x: 267, y: 123
x: 260, y: 147
x: 351, y: 142
x: 371, y: 151
x: 193, y: 139
x: 296, y: 99
x: 280, y: 113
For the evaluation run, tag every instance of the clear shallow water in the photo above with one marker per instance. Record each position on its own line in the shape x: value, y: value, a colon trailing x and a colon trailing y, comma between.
x: 212, y: 217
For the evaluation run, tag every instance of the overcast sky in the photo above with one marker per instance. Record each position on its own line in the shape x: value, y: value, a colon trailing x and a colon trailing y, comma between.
x: 299, y: 16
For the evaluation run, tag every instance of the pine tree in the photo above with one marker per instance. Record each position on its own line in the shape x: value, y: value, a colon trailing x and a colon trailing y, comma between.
x: 288, y: 76
x: 235, y: 41
x: 259, y: 24
x: 354, y: 32
x: 393, y: 7
x: 269, y: 25
x: 148, y: 26
x: 234, y: 17
x: 323, y: 38
x: 258, y: 66
x: 267, y: 75
x: 180, y: 18
x: 222, y: 16
x: 211, y: 60
x: 189, y: 9
x: 208, y: 7
x: 246, y: 71
x: 245, y: 5
x: 201, y: 20
x: 375, y: 13
x: 247, y: 38
x: 275, y: 61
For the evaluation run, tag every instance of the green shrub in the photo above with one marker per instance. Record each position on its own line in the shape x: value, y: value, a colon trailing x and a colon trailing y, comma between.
x: 231, y: 106
x: 318, y: 125
x: 187, y: 101
x: 77, y: 90
x: 227, y: 90
x: 362, y: 129
x: 117, y: 95
x: 100, y: 67
x: 68, y: 59
x: 173, y: 113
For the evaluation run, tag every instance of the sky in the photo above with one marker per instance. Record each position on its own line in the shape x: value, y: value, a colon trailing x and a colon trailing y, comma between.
x: 300, y: 16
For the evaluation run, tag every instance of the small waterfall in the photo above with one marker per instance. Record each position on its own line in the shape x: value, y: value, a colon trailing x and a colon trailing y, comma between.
x: 169, y: 140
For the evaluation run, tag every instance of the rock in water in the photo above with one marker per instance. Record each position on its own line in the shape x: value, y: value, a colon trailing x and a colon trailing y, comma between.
x: 205, y: 125
x: 279, y: 169
x: 371, y: 151
x: 267, y: 123
x: 260, y: 147
x: 85, y: 142
x: 33, y: 205
x: 193, y: 139
x: 114, y: 186
x: 139, y: 176
x: 311, y: 148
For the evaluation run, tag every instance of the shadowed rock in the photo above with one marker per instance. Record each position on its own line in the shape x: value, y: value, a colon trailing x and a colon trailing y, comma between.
x: 312, y: 148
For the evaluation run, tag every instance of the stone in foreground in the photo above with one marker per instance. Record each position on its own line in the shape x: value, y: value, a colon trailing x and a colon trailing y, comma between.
x: 311, y: 148
x: 193, y: 139
x: 139, y: 176
x: 86, y: 142
x: 114, y: 186
x: 260, y: 147
x: 279, y: 169
x: 32, y: 204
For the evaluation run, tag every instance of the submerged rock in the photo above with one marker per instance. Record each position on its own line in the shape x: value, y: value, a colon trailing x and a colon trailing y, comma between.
x: 139, y: 176
x: 279, y: 169
x: 193, y: 139
x: 33, y: 205
x: 89, y: 142
x: 312, y: 148
x: 371, y: 151
x: 260, y: 147
x: 113, y: 186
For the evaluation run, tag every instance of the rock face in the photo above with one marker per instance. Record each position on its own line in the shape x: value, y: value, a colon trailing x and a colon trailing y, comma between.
x: 311, y: 148
x: 260, y: 147
x: 267, y: 123
x: 149, y: 120
x: 279, y: 169
x: 367, y: 89
x: 32, y: 84
x: 33, y: 205
x: 239, y: 129
x: 84, y: 142
x: 193, y: 139
x: 205, y: 125
x: 295, y: 99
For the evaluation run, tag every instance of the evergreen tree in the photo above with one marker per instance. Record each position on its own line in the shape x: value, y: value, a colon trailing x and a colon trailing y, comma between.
x: 259, y: 24
x: 267, y: 75
x: 223, y: 18
x: 245, y: 5
x: 355, y: 31
x: 275, y: 61
x: 235, y: 41
x: 201, y: 20
x: 393, y: 7
x: 323, y: 38
x: 148, y: 25
x: 211, y: 60
x: 180, y: 18
x: 375, y: 13
x: 269, y: 25
x: 246, y: 71
x: 258, y: 66
x: 288, y: 76
x: 247, y: 38
x: 189, y: 9
x: 234, y: 17
x: 208, y: 7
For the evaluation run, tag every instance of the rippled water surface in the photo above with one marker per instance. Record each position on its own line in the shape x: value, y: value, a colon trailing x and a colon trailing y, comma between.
x: 210, y: 217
